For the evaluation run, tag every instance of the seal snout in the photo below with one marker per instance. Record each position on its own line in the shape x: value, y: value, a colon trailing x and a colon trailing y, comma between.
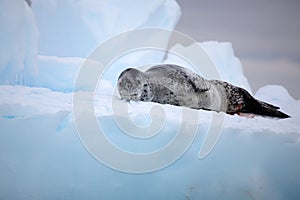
x: 130, y: 84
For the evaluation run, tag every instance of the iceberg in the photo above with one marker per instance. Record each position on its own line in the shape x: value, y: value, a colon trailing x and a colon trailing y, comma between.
x: 43, y: 156
x: 19, y: 42
x: 74, y: 28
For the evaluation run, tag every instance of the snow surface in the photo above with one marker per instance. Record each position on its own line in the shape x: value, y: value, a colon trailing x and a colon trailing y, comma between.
x: 41, y: 155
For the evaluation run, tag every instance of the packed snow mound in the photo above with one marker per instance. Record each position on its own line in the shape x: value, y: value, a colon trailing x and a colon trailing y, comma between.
x: 19, y: 42
x: 20, y: 101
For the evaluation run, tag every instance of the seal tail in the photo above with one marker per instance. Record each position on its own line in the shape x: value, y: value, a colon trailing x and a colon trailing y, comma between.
x: 261, y: 108
x: 264, y: 109
x: 269, y: 110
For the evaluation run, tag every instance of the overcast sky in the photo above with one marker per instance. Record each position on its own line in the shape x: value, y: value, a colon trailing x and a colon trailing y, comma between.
x: 265, y: 35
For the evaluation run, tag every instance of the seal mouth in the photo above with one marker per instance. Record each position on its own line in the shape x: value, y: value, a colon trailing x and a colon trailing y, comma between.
x: 129, y: 90
x: 131, y: 97
x: 128, y: 97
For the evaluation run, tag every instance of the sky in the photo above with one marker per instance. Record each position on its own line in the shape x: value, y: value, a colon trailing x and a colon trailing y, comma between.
x: 265, y: 35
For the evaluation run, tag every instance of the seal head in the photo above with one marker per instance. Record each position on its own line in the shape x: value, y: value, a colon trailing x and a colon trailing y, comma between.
x: 134, y: 85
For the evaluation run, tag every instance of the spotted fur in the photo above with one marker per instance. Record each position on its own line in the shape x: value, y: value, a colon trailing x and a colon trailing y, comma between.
x: 175, y: 85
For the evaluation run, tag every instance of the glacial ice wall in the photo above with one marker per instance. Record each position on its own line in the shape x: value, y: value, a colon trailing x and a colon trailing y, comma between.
x: 74, y: 28
x: 19, y: 42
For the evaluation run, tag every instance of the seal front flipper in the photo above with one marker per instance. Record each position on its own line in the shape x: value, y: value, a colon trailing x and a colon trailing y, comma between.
x: 164, y: 95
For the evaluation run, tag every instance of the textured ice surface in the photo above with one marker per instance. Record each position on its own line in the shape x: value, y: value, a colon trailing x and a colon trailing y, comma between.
x: 40, y: 159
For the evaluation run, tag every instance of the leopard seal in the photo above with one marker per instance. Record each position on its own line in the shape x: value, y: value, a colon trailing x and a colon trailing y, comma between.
x: 176, y: 85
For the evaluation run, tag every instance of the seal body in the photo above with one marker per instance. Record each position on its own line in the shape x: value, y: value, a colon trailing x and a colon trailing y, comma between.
x: 170, y: 84
x: 175, y: 85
